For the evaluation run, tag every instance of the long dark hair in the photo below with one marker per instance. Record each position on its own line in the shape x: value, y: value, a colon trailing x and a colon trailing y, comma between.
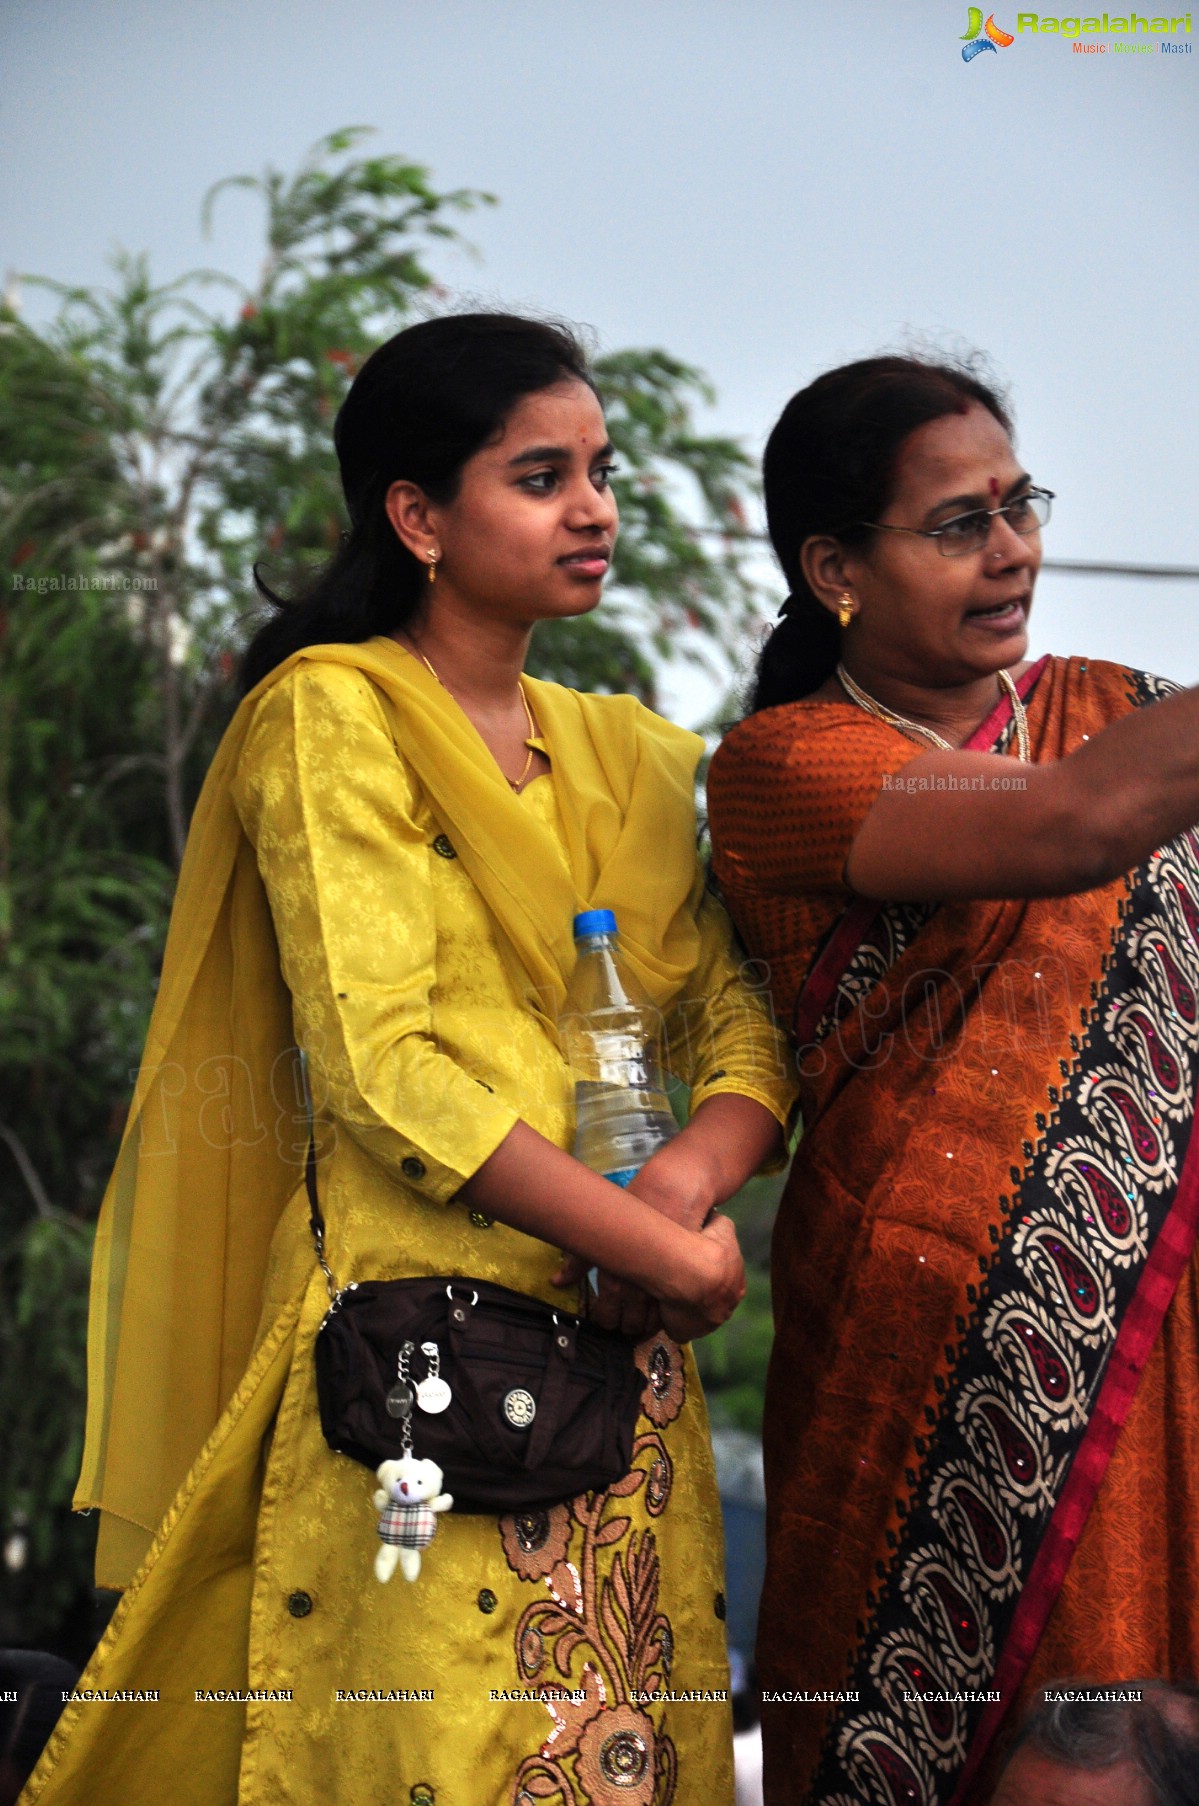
x: 830, y: 464
x: 420, y: 406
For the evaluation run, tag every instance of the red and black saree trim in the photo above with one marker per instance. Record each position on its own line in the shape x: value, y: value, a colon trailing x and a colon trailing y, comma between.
x: 1088, y: 1246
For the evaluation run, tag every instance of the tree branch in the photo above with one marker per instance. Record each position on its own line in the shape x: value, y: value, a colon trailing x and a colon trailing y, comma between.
x: 37, y: 1190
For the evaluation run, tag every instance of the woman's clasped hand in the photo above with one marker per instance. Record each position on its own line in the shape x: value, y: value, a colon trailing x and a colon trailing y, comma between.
x: 686, y: 1182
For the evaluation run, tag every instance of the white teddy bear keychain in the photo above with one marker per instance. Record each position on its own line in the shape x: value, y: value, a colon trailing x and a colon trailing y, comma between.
x: 408, y: 1496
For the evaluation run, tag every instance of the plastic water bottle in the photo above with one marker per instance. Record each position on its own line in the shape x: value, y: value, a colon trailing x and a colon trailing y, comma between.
x: 611, y: 1035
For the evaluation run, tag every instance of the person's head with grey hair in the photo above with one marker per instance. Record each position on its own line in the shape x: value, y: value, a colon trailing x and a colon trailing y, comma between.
x: 1138, y: 1749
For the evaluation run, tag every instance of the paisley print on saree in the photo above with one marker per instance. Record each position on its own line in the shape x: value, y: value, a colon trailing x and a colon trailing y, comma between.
x: 1020, y: 1388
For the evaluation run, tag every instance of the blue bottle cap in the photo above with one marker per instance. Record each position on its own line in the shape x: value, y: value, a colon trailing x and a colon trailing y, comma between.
x: 594, y: 921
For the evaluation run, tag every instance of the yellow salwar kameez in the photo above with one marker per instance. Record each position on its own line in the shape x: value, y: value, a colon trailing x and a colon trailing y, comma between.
x: 530, y: 1660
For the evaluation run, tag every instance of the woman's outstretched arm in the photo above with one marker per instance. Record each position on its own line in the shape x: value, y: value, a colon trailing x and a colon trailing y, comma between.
x: 808, y: 803
x: 1073, y: 825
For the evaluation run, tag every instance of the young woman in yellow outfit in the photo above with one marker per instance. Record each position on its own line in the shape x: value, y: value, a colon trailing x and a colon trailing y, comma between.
x: 383, y: 868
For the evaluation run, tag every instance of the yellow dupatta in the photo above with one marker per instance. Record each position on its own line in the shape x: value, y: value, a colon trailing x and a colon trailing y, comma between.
x: 201, y: 1179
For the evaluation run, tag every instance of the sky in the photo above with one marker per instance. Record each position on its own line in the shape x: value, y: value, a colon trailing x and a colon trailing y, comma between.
x: 764, y: 187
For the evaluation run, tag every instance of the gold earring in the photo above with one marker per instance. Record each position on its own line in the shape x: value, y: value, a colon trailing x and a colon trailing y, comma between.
x: 846, y: 609
x: 432, y: 565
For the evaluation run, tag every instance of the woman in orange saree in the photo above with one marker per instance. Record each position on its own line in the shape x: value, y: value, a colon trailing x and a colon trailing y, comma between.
x: 977, y: 891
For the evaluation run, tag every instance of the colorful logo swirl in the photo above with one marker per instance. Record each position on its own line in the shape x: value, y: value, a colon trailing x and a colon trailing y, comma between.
x: 973, y: 40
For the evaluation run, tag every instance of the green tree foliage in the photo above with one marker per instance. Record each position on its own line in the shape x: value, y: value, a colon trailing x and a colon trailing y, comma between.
x: 84, y: 890
x: 154, y: 441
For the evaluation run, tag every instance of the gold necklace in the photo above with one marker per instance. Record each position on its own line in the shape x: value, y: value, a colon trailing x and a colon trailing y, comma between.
x: 516, y: 784
x: 864, y: 701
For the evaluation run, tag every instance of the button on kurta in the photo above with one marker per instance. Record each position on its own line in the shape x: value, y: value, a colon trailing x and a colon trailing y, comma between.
x: 412, y: 1168
x: 299, y: 1604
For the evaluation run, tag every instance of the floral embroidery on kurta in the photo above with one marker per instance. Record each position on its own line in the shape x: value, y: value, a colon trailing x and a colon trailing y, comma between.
x: 602, y: 1608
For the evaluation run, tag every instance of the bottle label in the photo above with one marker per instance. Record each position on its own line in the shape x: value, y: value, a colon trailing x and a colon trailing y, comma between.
x: 624, y: 1175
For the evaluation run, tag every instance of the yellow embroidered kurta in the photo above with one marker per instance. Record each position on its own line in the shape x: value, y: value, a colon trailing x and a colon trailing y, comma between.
x: 260, y: 1581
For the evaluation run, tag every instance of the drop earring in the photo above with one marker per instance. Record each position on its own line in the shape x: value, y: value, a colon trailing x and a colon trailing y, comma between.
x: 432, y: 565
x: 846, y: 609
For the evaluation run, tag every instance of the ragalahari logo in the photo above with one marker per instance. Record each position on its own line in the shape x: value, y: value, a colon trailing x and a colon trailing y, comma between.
x: 973, y: 43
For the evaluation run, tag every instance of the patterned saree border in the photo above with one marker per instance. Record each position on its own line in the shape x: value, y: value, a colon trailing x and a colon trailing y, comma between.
x: 1096, y: 1231
x: 1138, y: 1333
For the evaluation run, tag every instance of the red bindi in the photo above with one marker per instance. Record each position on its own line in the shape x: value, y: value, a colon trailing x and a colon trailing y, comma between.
x: 994, y: 486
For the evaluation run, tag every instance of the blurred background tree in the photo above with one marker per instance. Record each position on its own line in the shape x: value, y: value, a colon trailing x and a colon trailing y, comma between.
x: 154, y: 442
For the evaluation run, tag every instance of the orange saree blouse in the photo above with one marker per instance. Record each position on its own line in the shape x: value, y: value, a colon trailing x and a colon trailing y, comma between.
x: 981, y: 1428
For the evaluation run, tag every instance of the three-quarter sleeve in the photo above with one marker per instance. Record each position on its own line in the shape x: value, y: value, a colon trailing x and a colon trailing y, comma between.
x: 721, y: 1035
x: 336, y: 820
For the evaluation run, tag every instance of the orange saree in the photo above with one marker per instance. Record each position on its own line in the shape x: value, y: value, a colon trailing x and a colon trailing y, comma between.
x: 981, y: 1434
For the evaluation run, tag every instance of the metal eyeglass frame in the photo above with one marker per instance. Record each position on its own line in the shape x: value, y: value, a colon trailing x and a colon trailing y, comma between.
x: 988, y: 514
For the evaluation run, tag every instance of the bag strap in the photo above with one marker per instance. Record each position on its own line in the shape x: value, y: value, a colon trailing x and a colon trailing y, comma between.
x: 316, y: 1221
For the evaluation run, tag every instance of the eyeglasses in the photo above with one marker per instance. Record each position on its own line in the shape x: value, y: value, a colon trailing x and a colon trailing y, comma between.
x: 965, y: 533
